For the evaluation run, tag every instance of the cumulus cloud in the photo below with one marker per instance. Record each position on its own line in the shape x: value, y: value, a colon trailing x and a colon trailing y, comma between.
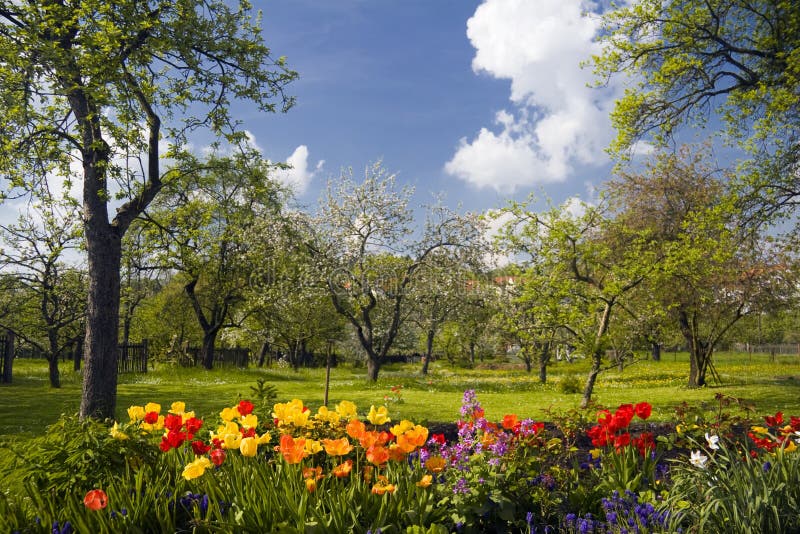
x: 555, y: 121
x: 299, y: 175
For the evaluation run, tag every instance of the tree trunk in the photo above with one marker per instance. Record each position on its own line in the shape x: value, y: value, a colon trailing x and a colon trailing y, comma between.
x: 472, y: 352
x: 76, y: 355
x: 103, y: 246
x: 126, y: 327
x: 597, y: 355
x: 262, y: 355
x: 52, y: 364
x: 8, y: 358
x: 655, y: 351
x: 207, y: 350
x: 597, y: 358
x: 544, y: 359
x: 373, y: 368
x: 52, y: 359
x: 428, y: 352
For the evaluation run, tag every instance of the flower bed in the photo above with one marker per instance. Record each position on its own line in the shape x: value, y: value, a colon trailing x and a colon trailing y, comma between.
x: 332, y: 471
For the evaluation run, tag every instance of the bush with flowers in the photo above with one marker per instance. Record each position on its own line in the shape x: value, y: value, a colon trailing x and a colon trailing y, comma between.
x: 340, y: 470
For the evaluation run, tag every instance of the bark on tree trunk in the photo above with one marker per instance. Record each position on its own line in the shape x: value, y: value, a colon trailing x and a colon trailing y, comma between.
x: 55, y: 379
x: 428, y: 352
x: 52, y: 359
x: 8, y: 358
x: 207, y: 351
x: 262, y: 355
x: 591, y: 379
x: 655, y: 351
x: 472, y: 352
x: 103, y: 245
x: 544, y: 359
x: 373, y: 368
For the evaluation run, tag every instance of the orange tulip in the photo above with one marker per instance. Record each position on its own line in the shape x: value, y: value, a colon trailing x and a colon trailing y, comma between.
x: 95, y: 499
x: 435, y: 464
x: 313, y: 472
x: 293, y: 450
x: 413, y: 438
x: 337, y: 447
x: 396, y: 453
x: 342, y: 470
x: 377, y: 455
x: 356, y: 429
x: 382, y: 486
x: 425, y: 481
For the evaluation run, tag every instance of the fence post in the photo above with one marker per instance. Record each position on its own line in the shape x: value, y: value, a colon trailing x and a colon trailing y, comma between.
x: 145, y: 353
x: 8, y: 357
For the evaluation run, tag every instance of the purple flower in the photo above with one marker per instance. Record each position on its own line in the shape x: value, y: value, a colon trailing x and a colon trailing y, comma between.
x: 461, y: 486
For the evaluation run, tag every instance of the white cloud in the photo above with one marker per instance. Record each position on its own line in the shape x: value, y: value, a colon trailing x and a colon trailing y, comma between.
x: 556, y: 121
x: 299, y: 176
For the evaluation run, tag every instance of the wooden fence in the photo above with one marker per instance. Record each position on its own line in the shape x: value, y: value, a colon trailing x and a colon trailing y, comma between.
x: 223, y: 357
x: 132, y: 358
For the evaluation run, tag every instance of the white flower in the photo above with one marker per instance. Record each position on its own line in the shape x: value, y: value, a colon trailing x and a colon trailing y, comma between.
x: 713, y: 442
x: 797, y: 433
x: 698, y: 459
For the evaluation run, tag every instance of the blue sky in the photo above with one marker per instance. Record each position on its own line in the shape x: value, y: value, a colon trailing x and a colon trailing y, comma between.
x: 480, y: 101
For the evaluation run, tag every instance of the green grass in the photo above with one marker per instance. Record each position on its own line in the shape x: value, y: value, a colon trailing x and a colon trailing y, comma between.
x: 29, y: 404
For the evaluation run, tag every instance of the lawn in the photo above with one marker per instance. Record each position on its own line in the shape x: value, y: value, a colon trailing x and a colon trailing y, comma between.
x: 28, y: 404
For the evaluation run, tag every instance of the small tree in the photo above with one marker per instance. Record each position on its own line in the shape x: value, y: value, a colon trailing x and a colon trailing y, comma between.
x: 367, y: 249
x: 582, y: 268
x: 47, y: 296
x: 199, y: 227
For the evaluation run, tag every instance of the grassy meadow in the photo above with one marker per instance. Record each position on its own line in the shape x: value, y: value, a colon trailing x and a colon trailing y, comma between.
x: 29, y: 404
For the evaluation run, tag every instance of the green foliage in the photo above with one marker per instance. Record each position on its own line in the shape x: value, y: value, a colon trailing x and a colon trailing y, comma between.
x: 74, y: 456
x: 570, y: 384
x: 736, y: 492
x: 736, y: 58
x: 265, y: 394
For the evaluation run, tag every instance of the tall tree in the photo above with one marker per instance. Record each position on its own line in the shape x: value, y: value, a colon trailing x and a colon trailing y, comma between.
x: 89, y: 82
x: 367, y: 248
x: 691, y: 57
x: 200, y: 226
x: 713, y: 272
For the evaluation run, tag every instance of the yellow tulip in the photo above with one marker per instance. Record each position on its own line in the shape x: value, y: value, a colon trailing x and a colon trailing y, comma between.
x: 402, y: 427
x: 249, y: 421
x: 196, y: 468
x: 152, y: 407
x: 313, y: 446
x: 248, y: 447
x: 116, y: 433
x: 229, y: 414
x: 264, y: 438
x: 326, y: 415
x: 346, y: 409
x: 136, y: 413
x: 378, y: 416
x: 177, y: 408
